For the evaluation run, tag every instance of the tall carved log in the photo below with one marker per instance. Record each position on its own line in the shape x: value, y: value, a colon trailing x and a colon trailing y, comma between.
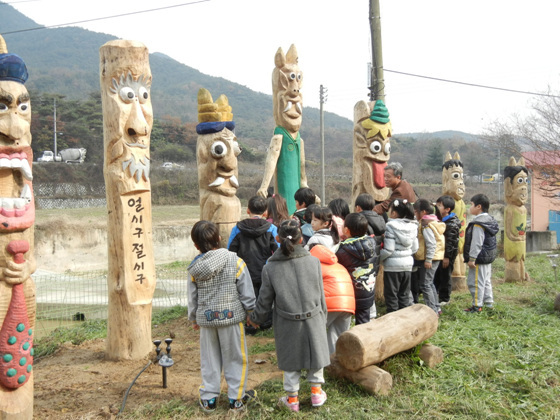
x: 127, y: 125
x: 371, y: 150
x: 286, y: 154
x: 453, y: 185
x: 17, y: 260
x: 515, y: 219
x: 216, y: 158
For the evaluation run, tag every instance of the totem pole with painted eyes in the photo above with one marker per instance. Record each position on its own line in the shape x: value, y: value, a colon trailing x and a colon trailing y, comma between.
x: 515, y: 219
x: 372, y: 149
x: 286, y: 153
x: 453, y: 185
x: 17, y: 261
x: 127, y: 125
x: 216, y: 157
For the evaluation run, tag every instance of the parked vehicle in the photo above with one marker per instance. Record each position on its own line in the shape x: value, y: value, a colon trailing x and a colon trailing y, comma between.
x: 73, y: 155
x: 47, y: 156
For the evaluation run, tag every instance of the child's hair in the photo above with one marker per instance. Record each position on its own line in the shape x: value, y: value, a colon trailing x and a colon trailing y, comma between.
x: 257, y: 205
x: 308, y: 213
x: 205, y: 235
x: 403, y: 208
x: 365, y: 201
x: 277, y: 209
x: 324, y: 214
x: 482, y: 200
x: 447, y: 202
x: 424, y: 205
x: 305, y: 196
x: 290, y: 235
x: 357, y: 224
x: 339, y: 208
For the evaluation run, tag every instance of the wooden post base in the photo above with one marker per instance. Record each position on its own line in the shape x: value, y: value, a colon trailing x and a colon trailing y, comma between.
x: 372, y: 379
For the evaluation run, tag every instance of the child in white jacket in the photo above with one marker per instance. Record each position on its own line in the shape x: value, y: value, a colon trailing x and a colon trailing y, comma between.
x: 400, y: 243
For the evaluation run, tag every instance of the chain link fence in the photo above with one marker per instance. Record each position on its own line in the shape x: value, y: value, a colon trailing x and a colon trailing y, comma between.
x: 64, y: 299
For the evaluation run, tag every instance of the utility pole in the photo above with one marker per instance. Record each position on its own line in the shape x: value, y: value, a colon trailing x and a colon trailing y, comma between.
x: 322, y: 99
x: 55, y: 151
x: 377, y: 86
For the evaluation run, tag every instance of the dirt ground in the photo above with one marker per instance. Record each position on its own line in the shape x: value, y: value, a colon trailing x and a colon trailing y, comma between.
x: 77, y: 383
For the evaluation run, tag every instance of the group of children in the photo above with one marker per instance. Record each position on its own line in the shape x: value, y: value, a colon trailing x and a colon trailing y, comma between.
x: 309, y: 274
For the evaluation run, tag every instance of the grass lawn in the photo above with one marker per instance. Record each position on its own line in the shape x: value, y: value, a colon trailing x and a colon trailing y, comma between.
x: 502, y: 363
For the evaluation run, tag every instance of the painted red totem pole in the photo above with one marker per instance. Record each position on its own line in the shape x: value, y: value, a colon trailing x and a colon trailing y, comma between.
x: 17, y: 262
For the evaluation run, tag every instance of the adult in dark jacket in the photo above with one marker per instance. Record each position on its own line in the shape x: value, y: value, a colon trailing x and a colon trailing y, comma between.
x: 442, y: 280
x: 358, y: 255
x: 253, y: 240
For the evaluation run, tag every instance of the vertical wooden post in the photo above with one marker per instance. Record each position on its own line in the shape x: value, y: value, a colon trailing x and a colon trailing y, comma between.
x: 127, y: 124
x: 17, y: 261
x: 377, y: 79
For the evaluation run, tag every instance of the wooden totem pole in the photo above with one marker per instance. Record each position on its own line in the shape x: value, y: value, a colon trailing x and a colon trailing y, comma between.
x: 216, y: 157
x: 453, y: 185
x: 127, y: 125
x: 286, y: 153
x: 515, y: 219
x: 17, y: 261
x: 372, y: 149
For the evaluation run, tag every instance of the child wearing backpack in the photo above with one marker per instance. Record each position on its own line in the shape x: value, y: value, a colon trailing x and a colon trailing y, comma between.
x: 431, y: 245
x: 480, y: 252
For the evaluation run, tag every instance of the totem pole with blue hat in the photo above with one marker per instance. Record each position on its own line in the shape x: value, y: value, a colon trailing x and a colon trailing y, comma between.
x: 17, y: 262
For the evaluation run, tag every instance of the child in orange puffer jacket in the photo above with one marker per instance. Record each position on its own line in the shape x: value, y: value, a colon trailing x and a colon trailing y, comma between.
x: 339, y: 294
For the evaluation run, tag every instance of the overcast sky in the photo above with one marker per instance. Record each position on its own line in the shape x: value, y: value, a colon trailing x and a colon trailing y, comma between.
x: 502, y: 43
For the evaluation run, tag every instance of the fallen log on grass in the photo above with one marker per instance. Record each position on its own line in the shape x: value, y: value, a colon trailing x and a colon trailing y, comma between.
x: 371, y: 343
x: 372, y: 379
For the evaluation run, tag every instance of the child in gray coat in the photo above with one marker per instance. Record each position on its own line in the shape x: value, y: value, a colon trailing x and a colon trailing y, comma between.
x: 292, y: 288
x: 220, y: 295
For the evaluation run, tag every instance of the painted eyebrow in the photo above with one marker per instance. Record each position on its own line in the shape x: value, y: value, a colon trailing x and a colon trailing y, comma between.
x: 24, y: 97
x: 6, y: 97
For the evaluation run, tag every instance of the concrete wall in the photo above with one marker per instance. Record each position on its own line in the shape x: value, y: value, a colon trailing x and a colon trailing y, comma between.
x: 538, y: 241
x: 85, y: 250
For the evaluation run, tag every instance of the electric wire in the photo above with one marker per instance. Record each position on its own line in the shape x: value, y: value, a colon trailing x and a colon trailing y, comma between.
x: 105, y: 17
x: 471, y: 84
x: 132, y: 383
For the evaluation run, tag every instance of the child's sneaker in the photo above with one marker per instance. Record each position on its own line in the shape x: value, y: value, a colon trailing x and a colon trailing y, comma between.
x: 474, y: 309
x: 239, y: 405
x: 285, y: 402
x: 208, y: 405
x: 317, y: 400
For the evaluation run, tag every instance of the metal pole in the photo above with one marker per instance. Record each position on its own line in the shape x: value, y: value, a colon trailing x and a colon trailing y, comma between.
x: 499, y: 173
x: 321, y: 97
x: 55, y: 152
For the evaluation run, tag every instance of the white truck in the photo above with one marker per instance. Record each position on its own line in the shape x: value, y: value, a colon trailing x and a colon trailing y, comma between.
x: 73, y: 155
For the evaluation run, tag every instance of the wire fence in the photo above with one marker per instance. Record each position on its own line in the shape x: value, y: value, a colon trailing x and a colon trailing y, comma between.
x: 64, y: 299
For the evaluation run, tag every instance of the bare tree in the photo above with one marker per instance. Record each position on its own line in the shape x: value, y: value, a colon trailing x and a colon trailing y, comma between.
x: 537, y: 136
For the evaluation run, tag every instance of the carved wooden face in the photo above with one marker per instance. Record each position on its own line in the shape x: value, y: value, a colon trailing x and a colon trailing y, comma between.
x: 217, y: 162
x: 516, y: 190
x: 453, y: 183
x: 131, y: 107
x: 286, y: 84
x: 17, y: 210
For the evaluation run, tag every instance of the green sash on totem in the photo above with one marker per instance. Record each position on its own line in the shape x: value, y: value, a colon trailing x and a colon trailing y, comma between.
x: 288, y: 169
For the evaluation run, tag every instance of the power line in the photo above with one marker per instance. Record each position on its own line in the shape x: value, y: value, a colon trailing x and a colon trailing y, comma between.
x: 105, y: 17
x: 472, y: 84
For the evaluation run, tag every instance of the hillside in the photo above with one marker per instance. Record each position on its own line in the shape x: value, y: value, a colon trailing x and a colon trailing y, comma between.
x: 65, y: 61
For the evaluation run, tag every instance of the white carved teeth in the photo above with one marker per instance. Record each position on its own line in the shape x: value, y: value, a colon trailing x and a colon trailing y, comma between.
x: 26, y: 194
x: 217, y: 182
x: 299, y: 107
x: 288, y: 106
x: 21, y: 165
x: 234, y: 181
